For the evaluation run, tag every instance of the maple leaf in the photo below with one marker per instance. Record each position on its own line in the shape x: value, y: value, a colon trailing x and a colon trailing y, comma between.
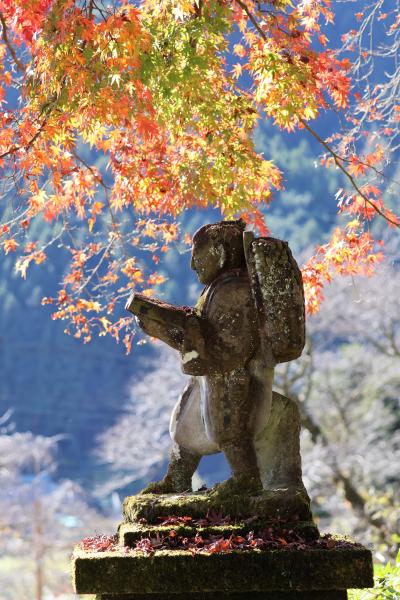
x: 237, y: 70
x: 100, y: 543
x: 10, y: 245
x: 146, y: 127
x: 239, y: 50
x: 356, y: 167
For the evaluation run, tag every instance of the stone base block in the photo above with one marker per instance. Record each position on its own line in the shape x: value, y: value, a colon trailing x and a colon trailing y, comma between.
x: 287, y: 504
x: 130, y: 533
x: 270, y: 572
x: 325, y: 595
x: 307, y: 569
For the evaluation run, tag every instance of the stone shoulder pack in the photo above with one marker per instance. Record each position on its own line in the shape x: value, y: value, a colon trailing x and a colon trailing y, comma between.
x: 277, y: 288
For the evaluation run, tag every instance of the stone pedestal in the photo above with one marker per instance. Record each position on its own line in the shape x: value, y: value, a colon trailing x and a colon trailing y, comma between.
x: 325, y: 595
x: 282, y: 574
x: 312, y: 571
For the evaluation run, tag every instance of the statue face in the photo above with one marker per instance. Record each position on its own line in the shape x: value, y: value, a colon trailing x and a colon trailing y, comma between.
x: 208, y: 260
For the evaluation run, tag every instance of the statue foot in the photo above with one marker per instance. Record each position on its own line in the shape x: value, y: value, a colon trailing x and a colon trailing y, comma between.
x: 238, y: 484
x: 165, y: 486
x: 178, y: 478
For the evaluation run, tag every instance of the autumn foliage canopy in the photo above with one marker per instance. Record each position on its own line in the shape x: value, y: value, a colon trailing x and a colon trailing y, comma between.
x: 116, y: 117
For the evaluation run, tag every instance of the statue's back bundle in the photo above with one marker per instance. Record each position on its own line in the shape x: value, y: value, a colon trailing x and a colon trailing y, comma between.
x: 277, y: 287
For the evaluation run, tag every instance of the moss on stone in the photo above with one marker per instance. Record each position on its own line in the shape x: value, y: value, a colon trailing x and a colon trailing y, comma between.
x: 130, y: 533
x: 174, y: 572
x: 288, y: 504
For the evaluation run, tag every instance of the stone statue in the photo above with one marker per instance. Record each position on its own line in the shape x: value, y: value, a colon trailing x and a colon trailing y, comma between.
x: 249, y: 317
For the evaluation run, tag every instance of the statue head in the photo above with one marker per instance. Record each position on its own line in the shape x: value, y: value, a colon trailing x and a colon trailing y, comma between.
x: 217, y: 248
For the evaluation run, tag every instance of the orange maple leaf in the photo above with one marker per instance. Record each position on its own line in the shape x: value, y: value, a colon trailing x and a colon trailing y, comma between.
x: 10, y: 245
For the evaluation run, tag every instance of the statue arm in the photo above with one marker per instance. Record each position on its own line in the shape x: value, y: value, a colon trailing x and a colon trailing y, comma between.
x: 219, y: 343
x: 196, y: 355
x: 161, y: 320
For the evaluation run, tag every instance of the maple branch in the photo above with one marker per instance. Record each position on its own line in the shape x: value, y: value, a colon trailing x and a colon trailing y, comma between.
x: 198, y: 7
x: 96, y: 176
x: 7, y: 42
x: 252, y: 18
x: 14, y: 220
x: 338, y: 161
x: 374, y: 169
x: 90, y: 9
x: 15, y: 149
x: 54, y: 239
x: 95, y: 269
x: 46, y: 109
x: 114, y: 225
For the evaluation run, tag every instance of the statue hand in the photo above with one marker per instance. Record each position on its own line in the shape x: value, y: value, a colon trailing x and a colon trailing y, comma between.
x: 132, y: 305
x: 141, y: 323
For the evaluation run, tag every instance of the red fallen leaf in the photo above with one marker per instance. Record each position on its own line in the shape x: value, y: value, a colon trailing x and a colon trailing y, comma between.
x: 270, y: 538
x: 174, y: 520
x: 212, y: 518
x: 100, y: 543
x: 145, y: 545
x: 282, y: 541
x: 221, y: 545
x: 239, y: 539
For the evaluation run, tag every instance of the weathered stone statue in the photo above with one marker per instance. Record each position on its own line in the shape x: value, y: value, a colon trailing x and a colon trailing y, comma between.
x: 249, y: 317
x: 253, y: 536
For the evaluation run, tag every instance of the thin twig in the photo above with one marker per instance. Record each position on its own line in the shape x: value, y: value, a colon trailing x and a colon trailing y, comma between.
x: 90, y: 9
x: 337, y: 159
x: 96, y: 268
x: 252, y: 19
x: 335, y: 156
x: 96, y: 176
x: 29, y: 145
x: 7, y: 42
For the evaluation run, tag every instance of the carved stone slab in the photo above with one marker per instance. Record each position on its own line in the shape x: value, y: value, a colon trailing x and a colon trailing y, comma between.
x: 325, y: 595
x: 288, y: 504
x: 178, y: 572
